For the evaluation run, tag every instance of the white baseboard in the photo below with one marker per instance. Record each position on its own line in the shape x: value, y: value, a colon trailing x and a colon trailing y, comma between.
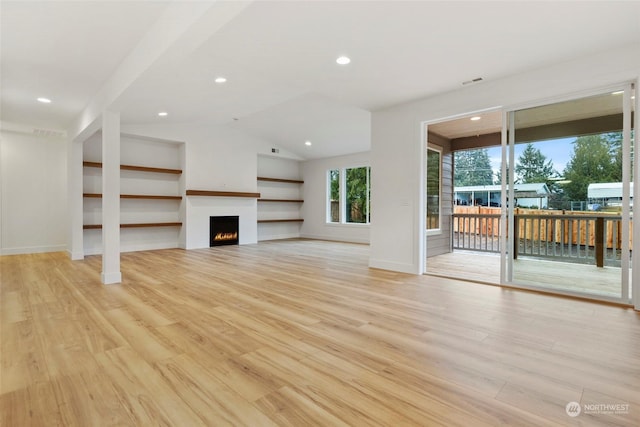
x: 111, y: 278
x: 394, y: 266
x: 136, y: 248
x: 334, y: 238
x: 75, y: 256
x: 33, y: 250
x: 278, y: 237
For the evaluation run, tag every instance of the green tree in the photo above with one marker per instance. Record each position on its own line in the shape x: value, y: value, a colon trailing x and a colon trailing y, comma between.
x: 334, y: 180
x: 335, y: 184
x: 614, y: 139
x: 595, y: 158
x: 533, y: 167
x: 357, y: 194
x: 472, y: 167
x: 498, y: 179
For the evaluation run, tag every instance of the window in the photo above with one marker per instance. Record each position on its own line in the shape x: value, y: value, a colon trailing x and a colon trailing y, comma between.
x: 334, y: 196
x: 433, y: 189
x: 349, y: 193
x: 357, y: 195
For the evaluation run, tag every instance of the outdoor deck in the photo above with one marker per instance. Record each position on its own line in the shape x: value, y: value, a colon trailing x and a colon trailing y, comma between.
x: 554, y: 275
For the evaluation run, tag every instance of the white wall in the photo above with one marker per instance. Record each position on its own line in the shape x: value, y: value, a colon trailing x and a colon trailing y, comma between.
x: 217, y: 158
x: 397, y: 153
x: 33, y: 193
x: 314, y: 210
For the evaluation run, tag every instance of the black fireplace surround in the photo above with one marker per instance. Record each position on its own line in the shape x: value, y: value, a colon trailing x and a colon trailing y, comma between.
x: 223, y: 230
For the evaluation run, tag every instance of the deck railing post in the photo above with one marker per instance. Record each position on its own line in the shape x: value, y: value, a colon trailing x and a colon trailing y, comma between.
x: 599, y: 241
x: 515, y: 237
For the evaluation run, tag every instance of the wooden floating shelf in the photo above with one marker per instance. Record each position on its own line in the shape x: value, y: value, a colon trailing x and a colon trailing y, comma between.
x: 135, y: 168
x: 280, y: 220
x: 140, y: 225
x: 135, y: 196
x: 281, y: 200
x: 291, y: 181
x: 206, y: 193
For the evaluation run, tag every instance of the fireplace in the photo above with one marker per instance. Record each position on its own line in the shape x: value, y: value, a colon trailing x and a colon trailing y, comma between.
x: 223, y: 230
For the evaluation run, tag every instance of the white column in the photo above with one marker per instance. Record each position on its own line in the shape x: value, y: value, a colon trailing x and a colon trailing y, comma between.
x: 74, y: 188
x: 111, y: 198
x: 635, y: 279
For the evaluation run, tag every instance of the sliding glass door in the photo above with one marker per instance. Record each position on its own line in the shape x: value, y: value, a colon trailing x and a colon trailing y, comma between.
x: 568, y: 193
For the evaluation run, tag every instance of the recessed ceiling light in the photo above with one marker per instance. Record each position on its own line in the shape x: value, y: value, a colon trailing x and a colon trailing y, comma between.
x: 44, y: 100
x: 163, y: 114
x: 307, y: 143
x: 343, y: 60
x: 475, y: 118
x: 220, y: 80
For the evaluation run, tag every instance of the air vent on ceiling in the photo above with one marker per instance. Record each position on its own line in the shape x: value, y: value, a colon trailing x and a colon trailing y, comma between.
x: 47, y: 133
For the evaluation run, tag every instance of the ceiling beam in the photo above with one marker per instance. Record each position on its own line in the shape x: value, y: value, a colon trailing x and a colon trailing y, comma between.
x: 438, y: 139
x: 568, y: 129
x: 478, y: 141
x: 590, y: 126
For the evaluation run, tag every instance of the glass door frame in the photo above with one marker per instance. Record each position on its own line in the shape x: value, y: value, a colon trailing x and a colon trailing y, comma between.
x: 635, y: 255
x: 628, y: 279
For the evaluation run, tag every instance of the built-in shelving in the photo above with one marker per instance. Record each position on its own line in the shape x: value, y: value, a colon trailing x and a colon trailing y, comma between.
x: 151, y: 212
x: 279, y: 212
x: 135, y: 196
x: 138, y: 225
x: 207, y: 193
x: 135, y: 168
x: 290, y: 181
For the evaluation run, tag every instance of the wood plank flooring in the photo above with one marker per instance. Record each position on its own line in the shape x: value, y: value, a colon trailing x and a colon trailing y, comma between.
x: 297, y: 333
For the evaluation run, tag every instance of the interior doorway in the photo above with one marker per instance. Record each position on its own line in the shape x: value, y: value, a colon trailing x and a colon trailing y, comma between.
x: 462, y: 193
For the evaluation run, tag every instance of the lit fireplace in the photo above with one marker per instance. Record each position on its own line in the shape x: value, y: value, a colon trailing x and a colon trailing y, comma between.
x: 223, y: 237
x: 223, y: 230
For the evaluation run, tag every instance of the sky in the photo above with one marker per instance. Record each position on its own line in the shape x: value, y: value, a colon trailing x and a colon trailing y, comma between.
x: 557, y: 150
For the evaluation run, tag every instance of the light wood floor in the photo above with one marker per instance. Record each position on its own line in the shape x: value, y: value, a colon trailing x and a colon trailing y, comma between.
x: 553, y: 275
x: 299, y: 333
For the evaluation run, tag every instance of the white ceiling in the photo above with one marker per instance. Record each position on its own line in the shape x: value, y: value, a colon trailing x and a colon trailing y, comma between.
x: 279, y: 58
x: 64, y: 51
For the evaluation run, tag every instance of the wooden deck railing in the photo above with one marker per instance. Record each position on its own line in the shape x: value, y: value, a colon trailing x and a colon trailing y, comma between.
x: 576, y: 237
x: 476, y: 232
x: 582, y: 238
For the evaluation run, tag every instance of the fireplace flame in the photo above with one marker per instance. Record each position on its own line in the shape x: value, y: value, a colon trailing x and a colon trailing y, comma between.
x: 225, y: 236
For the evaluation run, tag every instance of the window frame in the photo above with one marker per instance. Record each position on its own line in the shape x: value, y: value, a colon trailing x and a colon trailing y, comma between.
x: 438, y: 230
x: 328, y: 198
x: 342, y: 186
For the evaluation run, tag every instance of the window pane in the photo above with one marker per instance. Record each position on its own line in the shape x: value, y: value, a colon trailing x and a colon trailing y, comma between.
x: 567, y: 167
x: 433, y: 189
x: 357, y: 208
x: 368, y: 195
x: 334, y: 195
